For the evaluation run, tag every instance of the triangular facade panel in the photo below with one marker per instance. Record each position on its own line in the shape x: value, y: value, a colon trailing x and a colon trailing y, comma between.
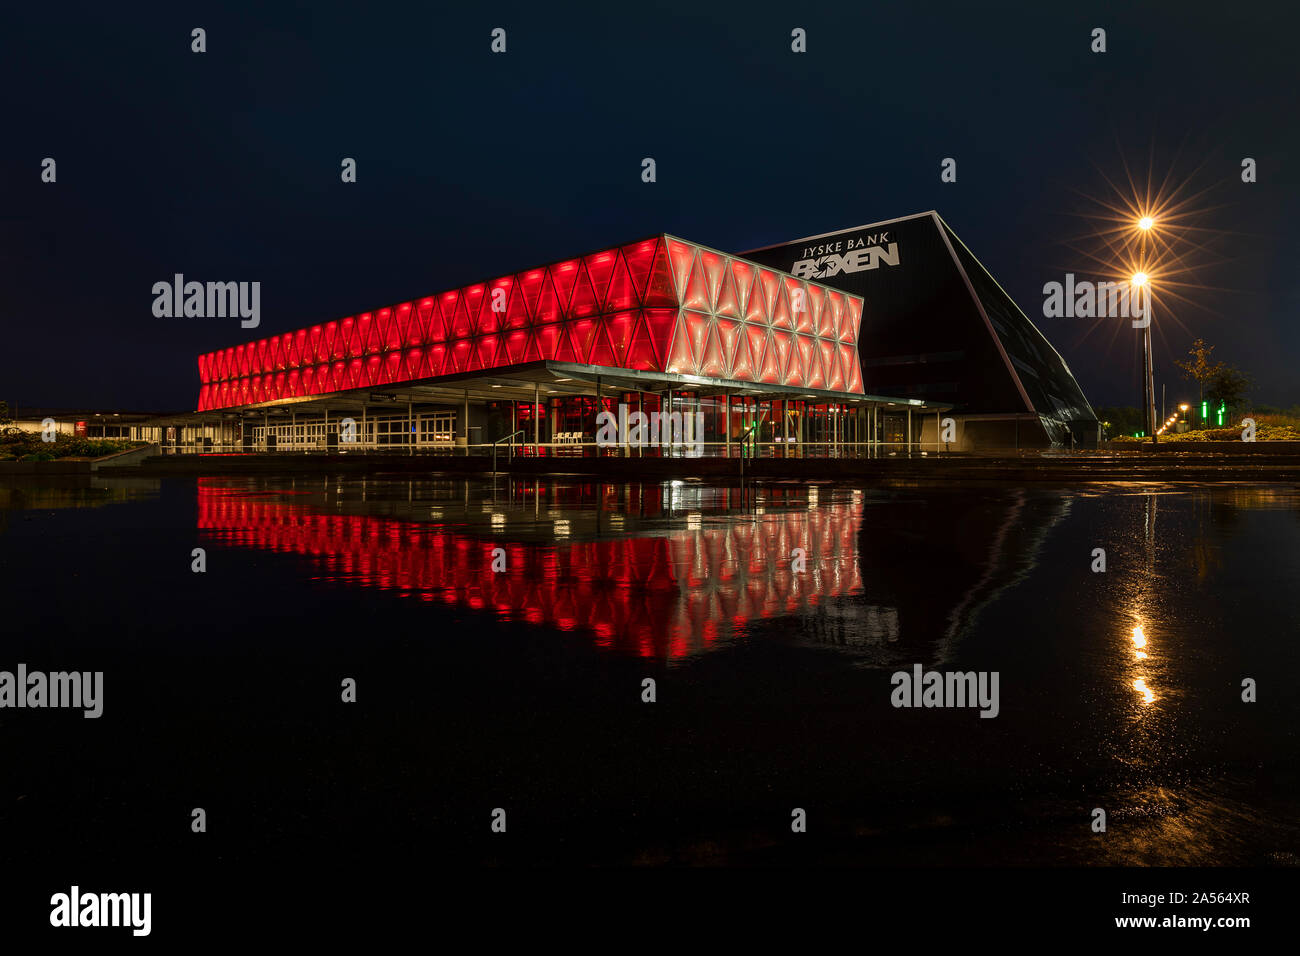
x: 770, y: 366
x: 740, y: 360
x: 696, y: 296
x: 713, y: 362
x: 681, y: 358
x: 620, y: 329
x: 564, y: 275
x: 622, y: 292
x: 641, y: 353
x: 584, y: 301
x: 681, y: 257
x: 730, y: 334
x: 602, y: 350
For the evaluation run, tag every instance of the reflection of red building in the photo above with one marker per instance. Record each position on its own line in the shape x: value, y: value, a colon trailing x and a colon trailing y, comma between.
x: 663, y: 596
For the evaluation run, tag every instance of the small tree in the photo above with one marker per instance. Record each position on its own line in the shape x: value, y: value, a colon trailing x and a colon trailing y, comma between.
x: 5, y: 418
x: 1198, y: 368
x: 1228, y: 385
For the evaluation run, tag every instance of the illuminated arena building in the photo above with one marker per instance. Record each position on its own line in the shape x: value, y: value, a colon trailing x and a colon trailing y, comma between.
x: 856, y: 343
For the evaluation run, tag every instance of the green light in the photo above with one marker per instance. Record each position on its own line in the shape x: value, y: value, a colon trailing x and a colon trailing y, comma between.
x: 1205, y: 411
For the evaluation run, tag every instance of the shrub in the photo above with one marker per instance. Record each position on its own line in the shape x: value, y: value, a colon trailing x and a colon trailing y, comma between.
x: 25, y: 445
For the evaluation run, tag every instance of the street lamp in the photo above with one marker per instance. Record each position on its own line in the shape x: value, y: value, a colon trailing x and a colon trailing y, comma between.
x: 1143, y: 283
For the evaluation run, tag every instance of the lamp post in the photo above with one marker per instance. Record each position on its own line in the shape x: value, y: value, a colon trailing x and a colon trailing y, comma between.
x: 1143, y: 282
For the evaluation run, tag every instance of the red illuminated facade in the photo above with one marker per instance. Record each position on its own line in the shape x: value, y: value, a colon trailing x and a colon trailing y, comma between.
x: 658, y: 305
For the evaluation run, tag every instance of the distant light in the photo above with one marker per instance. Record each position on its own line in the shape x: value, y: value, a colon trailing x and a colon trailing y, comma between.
x: 1139, y: 279
x: 1145, y: 223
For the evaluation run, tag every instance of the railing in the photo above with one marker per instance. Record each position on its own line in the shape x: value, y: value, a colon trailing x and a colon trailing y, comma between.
x: 747, y: 446
x: 743, y: 439
x: 510, y: 438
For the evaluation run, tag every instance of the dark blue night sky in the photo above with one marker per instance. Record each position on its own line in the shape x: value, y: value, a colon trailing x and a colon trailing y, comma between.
x: 225, y: 165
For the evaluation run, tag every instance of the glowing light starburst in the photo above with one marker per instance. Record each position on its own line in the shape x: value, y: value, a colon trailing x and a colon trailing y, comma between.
x: 1155, y: 233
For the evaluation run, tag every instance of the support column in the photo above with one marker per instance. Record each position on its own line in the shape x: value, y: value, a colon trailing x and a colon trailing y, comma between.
x: 364, y: 436
x: 785, y: 428
x: 410, y: 438
x: 537, y: 417
x: 552, y: 420
x: 465, y: 410
x: 666, y: 415
x: 726, y: 418
x: 293, y: 428
x: 909, y: 431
